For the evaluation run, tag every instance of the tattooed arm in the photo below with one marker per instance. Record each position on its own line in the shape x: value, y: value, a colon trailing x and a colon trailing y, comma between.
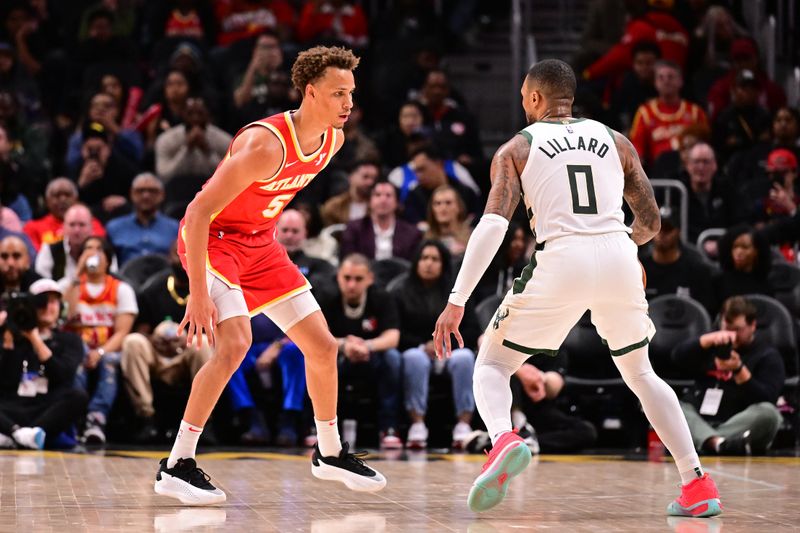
x: 638, y: 193
x: 504, y: 195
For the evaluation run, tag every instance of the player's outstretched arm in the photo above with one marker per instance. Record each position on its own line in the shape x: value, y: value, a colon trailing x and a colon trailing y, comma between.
x: 256, y: 153
x: 638, y: 193
x: 507, y: 165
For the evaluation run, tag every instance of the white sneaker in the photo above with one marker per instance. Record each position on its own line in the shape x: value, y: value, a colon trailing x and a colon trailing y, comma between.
x: 187, y: 483
x: 7, y: 442
x: 31, y: 438
x: 348, y: 468
x: 461, y: 431
x: 417, y: 436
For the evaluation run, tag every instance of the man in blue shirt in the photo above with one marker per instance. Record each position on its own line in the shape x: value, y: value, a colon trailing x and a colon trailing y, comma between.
x: 145, y: 231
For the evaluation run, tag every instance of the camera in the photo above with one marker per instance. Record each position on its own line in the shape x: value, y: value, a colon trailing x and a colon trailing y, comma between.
x: 723, y: 351
x: 21, y: 308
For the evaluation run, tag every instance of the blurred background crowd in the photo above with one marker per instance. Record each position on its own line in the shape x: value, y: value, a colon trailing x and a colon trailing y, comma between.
x: 114, y: 113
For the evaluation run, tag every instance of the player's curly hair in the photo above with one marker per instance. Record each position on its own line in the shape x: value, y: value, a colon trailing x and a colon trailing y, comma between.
x: 310, y: 65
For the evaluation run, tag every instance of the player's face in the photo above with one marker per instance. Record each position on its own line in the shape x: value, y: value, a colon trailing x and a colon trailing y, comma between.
x: 429, y: 267
x: 332, y: 95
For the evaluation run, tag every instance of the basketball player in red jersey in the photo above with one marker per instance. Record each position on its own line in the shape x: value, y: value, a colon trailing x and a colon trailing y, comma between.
x: 237, y: 269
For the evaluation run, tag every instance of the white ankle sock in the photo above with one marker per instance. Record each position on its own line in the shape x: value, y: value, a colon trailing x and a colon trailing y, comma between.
x: 185, y: 443
x: 328, y: 439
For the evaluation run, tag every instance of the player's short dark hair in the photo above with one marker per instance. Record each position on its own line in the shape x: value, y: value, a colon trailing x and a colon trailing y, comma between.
x: 310, y: 65
x: 555, y: 79
x: 648, y: 47
x: 737, y: 306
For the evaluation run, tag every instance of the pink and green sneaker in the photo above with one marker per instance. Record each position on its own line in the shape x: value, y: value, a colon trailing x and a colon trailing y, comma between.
x: 509, y: 456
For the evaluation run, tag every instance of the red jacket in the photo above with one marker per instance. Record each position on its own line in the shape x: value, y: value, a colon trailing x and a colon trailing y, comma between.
x: 660, y: 28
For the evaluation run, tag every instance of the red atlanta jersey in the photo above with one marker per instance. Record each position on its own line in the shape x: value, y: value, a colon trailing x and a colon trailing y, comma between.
x: 257, y: 208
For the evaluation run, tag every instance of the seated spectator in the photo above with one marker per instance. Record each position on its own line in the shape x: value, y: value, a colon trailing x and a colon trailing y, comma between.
x: 165, y: 105
x: 58, y: 260
x: 658, y: 122
x: 352, y: 204
x: 146, y: 230
x: 671, y: 270
x: 744, y: 56
x: 638, y: 84
x: 162, y: 356
x: 103, y: 41
x: 712, y: 202
x: 333, y: 23
x: 363, y: 318
x: 16, y: 274
x: 124, y: 142
x: 782, y: 198
x: 507, y: 264
x: 397, y: 141
x: 359, y: 145
x: 745, y: 165
x: 103, y: 176
x: 291, y: 233
x: 453, y: 127
x: 37, y: 370
x: 744, y: 122
x: 127, y: 99
x: 254, y: 94
x: 16, y: 182
x: 60, y: 195
x: 427, y: 170
x: 102, y: 310
x: 29, y: 140
x: 193, y: 148
x: 739, y: 376
x: 745, y: 259
x: 672, y: 165
x: 420, y: 300
x: 544, y: 426
x: 447, y: 220
x: 380, y: 234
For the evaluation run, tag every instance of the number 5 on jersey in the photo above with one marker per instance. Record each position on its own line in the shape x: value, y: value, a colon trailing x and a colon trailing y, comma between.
x: 584, y: 201
x: 276, y: 205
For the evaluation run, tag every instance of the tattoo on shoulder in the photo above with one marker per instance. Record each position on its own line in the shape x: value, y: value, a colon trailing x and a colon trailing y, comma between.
x: 507, y: 165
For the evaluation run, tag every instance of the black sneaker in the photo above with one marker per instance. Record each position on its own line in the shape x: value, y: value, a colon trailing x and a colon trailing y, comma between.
x: 187, y: 483
x: 349, y: 468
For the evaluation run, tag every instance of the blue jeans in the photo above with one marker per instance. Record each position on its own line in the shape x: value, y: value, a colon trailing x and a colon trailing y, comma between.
x: 385, y: 367
x: 417, y: 368
x: 107, y: 383
x: 293, y: 376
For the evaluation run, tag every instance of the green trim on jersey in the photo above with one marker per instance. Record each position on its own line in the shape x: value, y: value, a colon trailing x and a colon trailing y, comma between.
x: 525, y: 276
x: 529, y: 351
x: 527, y: 135
x: 561, y: 122
x: 632, y: 347
x: 611, y: 133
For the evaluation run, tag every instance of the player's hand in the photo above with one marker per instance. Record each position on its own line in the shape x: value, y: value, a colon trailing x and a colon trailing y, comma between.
x: 447, y: 325
x: 200, y: 317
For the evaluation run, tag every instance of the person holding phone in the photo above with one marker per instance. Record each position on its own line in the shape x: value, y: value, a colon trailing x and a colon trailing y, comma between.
x: 738, y: 378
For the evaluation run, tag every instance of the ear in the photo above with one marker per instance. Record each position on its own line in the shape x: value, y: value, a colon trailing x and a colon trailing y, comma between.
x: 310, y: 91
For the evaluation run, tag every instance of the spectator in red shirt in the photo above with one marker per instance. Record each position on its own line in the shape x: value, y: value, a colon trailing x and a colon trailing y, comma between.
x: 657, y: 26
x: 658, y: 123
x: 243, y: 19
x: 333, y: 22
x: 60, y: 195
x: 744, y: 56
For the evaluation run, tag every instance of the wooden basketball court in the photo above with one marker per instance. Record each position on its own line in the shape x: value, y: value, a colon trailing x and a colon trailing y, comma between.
x: 64, y: 492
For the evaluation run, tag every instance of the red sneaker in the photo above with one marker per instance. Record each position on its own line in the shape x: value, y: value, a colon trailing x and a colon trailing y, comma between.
x: 509, y: 456
x: 699, y: 499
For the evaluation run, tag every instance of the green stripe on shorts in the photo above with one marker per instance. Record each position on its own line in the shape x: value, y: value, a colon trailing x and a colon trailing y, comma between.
x: 530, y: 351
x: 525, y: 276
x: 632, y: 347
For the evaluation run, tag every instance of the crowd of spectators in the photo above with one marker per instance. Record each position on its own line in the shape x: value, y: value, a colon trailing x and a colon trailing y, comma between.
x: 113, y: 113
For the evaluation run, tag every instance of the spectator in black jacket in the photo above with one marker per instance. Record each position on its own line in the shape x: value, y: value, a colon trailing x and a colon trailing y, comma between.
x: 420, y: 299
x: 745, y: 258
x: 37, y: 371
x: 738, y: 380
x: 291, y: 233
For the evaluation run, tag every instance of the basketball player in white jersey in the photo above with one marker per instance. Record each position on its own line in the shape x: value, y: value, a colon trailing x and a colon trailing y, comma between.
x: 572, y: 175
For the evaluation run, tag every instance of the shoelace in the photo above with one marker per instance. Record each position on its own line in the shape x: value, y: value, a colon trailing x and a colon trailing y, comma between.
x: 356, y: 458
x: 198, y: 477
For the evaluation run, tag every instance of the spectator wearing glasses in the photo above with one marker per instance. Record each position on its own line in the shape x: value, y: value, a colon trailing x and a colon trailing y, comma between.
x: 146, y: 230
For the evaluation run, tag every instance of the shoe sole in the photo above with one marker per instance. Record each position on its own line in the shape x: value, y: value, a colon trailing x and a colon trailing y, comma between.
x: 352, y: 481
x: 491, y: 486
x: 703, y: 509
x: 186, y: 493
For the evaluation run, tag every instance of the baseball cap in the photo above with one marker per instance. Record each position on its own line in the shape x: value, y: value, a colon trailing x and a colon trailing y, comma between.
x: 746, y: 77
x: 41, y: 286
x: 743, y: 48
x: 781, y: 159
x: 95, y: 129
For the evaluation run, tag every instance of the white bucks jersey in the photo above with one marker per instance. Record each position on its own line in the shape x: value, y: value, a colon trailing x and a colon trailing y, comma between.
x: 573, y: 181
